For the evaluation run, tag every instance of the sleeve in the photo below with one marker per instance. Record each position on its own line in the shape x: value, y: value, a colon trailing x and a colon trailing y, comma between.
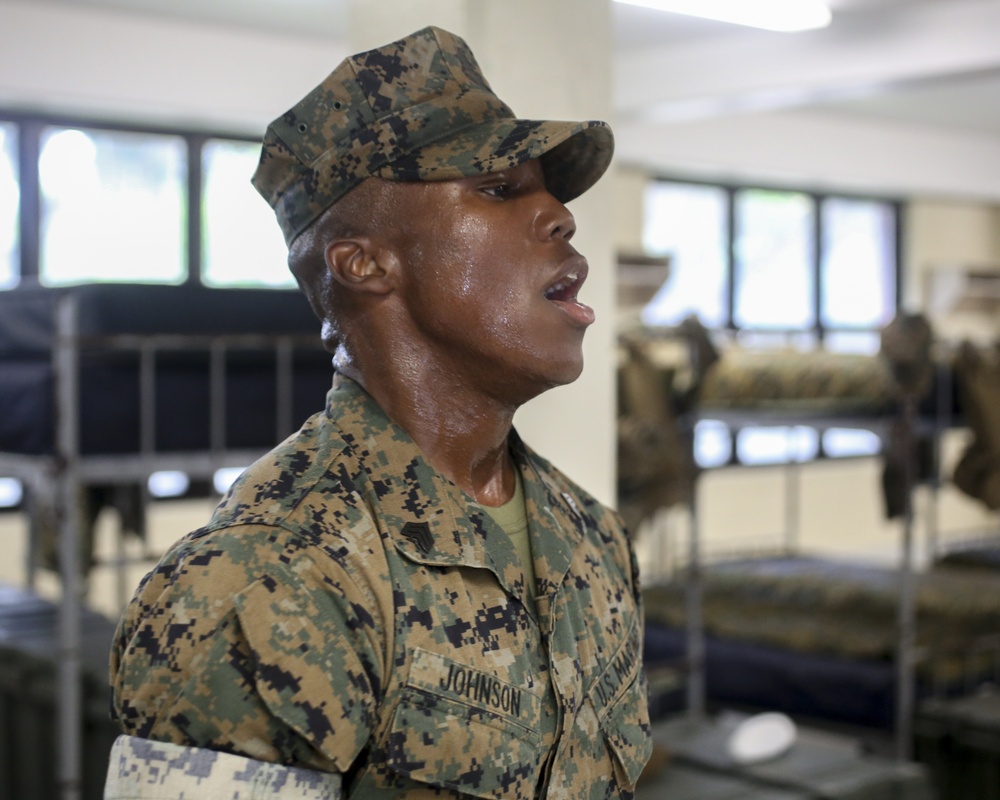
x: 140, y: 769
x: 242, y: 643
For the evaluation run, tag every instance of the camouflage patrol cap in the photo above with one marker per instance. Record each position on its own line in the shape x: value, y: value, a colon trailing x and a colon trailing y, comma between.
x: 418, y: 109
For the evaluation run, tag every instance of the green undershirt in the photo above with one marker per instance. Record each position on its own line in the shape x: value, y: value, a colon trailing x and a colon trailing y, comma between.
x: 512, y: 516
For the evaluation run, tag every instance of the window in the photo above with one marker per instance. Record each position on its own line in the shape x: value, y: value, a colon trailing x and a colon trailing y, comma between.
x: 778, y: 445
x: 713, y: 443
x: 785, y: 268
x: 9, y: 201
x: 851, y: 442
x: 11, y: 492
x: 858, y: 269
x: 113, y: 206
x: 812, y: 267
x: 242, y: 244
x: 132, y: 204
x: 688, y: 223
x: 773, y: 242
x: 168, y: 483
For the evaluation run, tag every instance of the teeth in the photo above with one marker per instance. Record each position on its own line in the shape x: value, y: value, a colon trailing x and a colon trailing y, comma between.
x: 564, y: 284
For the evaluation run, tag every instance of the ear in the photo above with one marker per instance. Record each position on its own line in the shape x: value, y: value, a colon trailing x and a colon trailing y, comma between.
x: 358, y: 265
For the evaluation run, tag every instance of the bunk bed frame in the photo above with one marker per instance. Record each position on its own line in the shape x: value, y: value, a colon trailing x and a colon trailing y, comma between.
x: 908, y: 422
x: 141, y: 331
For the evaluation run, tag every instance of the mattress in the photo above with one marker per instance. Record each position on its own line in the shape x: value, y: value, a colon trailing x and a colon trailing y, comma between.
x: 743, y: 674
x: 814, y: 382
x: 983, y: 553
x: 841, y: 609
x: 109, y: 402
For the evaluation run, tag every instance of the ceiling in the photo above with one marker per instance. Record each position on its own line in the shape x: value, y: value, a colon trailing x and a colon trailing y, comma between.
x: 955, y: 95
x: 924, y: 71
x: 896, y: 96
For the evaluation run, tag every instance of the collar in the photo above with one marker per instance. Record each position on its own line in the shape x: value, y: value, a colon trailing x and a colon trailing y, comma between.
x: 432, y: 521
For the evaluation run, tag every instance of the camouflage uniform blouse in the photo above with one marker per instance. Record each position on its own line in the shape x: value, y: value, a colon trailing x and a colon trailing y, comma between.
x: 349, y: 610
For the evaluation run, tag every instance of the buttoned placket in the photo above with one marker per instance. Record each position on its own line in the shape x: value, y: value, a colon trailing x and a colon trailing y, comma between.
x: 554, y: 537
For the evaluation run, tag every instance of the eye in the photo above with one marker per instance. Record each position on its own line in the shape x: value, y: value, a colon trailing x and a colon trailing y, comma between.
x: 499, y: 190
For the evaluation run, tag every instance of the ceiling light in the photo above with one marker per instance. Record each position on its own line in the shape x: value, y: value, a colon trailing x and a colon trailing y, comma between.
x: 773, y: 15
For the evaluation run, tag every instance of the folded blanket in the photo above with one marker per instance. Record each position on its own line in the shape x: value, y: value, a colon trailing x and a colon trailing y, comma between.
x: 832, y: 607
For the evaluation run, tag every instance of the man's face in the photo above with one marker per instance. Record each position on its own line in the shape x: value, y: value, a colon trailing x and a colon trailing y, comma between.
x: 490, y: 279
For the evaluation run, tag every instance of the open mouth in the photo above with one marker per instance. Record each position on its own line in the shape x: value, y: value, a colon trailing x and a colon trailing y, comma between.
x: 563, y: 292
x: 566, y: 289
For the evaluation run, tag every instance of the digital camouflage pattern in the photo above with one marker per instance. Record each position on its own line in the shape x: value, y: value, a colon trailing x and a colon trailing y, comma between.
x: 418, y: 109
x: 350, y: 610
x: 140, y: 769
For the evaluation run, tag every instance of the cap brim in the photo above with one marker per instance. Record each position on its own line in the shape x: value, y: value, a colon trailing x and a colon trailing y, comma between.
x: 574, y: 155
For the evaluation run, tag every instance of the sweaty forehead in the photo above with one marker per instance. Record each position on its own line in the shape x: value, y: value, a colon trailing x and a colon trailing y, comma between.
x: 381, y: 205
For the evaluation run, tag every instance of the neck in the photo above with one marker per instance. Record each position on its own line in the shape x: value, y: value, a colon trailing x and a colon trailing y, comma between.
x: 462, y: 432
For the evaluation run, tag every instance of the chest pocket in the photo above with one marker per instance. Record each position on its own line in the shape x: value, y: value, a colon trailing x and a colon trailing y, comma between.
x: 620, y: 699
x: 463, y: 729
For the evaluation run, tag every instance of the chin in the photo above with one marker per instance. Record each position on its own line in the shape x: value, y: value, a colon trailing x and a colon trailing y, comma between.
x: 565, y: 373
x: 531, y: 383
x: 572, y: 373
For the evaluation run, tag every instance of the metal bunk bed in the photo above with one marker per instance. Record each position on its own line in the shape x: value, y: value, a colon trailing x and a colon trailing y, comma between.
x: 93, y: 363
x: 818, y: 764
x: 959, y: 734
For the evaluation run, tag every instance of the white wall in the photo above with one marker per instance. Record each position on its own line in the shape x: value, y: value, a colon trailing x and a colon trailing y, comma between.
x: 808, y: 109
x: 134, y: 67
x: 948, y: 233
x: 629, y: 186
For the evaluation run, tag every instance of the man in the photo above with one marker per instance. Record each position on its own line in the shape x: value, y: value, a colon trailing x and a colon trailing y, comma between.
x: 403, y: 599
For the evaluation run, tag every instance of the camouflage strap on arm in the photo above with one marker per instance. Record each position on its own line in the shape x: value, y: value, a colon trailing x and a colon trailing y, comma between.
x: 141, y: 769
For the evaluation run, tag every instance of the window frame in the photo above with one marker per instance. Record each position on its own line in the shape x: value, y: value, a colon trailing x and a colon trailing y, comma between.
x: 29, y: 134
x: 817, y: 197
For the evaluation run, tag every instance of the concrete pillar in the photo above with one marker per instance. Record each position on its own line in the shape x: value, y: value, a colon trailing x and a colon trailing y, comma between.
x: 547, y: 59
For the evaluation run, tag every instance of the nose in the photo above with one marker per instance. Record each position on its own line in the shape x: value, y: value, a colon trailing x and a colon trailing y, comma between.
x: 553, y: 220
